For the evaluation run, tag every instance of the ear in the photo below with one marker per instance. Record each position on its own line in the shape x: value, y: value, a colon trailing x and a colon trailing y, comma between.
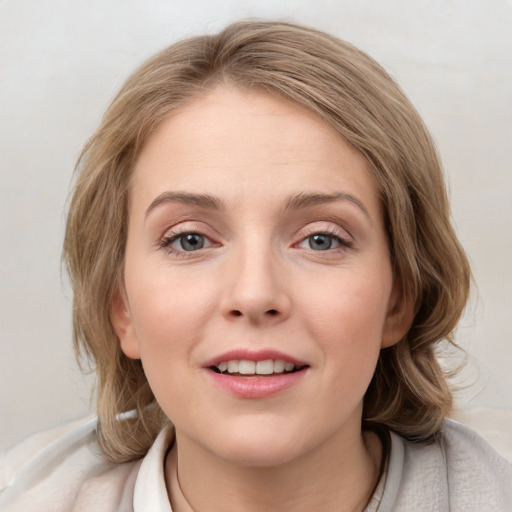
x: 399, y: 317
x: 122, y: 322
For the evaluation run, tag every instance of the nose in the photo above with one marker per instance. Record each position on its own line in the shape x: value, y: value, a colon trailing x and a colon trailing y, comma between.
x: 256, y: 288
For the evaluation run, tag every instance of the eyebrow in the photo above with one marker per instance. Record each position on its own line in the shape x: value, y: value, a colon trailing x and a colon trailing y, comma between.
x: 305, y: 200
x: 202, y: 200
x: 294, y: 202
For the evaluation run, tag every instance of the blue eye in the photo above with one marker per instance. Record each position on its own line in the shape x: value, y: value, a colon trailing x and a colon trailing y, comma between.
x: 321, y: 242
x: 185, y: 242
x: 324, y: 242
x: 191, y: 242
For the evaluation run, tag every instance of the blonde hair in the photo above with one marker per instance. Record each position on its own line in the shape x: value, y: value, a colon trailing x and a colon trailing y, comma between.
x: 352, y: 93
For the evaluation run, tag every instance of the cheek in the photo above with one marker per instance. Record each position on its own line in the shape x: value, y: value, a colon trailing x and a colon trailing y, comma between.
x: 349, y: 303
x: 169, y: 316
x: 169, y: 310
x: 347, y: 317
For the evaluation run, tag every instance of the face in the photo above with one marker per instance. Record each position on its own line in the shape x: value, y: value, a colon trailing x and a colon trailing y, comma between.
x: 258, y: 286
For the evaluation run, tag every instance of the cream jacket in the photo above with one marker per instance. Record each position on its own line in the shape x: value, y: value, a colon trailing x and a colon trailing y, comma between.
x: 64, y: 472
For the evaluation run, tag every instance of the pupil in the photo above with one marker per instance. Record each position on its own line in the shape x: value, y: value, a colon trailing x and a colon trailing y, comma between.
x: 192, y: 242
x: 320, y: 242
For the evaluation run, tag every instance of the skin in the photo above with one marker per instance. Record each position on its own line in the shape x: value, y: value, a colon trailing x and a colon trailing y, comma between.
x: 258, y: 283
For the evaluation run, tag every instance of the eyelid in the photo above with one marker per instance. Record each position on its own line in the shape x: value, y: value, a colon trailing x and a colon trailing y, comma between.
x: 188, y: 226
x: 328, y: 228
x: 173, y: 233
x: 344, y: 240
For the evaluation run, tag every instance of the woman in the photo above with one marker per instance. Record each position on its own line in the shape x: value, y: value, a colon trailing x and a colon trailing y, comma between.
x: 263, y: 264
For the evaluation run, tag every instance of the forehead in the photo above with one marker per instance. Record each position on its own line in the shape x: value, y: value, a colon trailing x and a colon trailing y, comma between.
x: 237, y: 143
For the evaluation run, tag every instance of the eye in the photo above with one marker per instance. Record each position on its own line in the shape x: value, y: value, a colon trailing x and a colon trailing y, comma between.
x: 320, y: 242
x: 186, y: 242
x: 191, y: 241
x: 324, y: 242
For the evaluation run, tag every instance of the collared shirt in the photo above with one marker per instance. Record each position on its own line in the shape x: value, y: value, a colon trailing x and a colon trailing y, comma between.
x: 458, y: 472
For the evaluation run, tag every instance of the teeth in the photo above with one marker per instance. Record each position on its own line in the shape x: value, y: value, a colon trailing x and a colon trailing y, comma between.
x: 245, y: 367
x: 289, y: 367
x: 232, y: 366
x: 279, y: 366
x: 265, y: 367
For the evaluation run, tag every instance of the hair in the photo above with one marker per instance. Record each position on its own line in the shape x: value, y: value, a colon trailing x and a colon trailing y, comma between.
x: 409, y: 392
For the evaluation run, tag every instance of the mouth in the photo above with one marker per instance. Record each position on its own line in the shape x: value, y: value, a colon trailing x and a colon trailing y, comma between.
x: 255, y: 374
x: 264, y: 368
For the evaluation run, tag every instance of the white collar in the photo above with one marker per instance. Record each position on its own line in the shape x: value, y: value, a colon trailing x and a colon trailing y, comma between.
x: 150, y: 492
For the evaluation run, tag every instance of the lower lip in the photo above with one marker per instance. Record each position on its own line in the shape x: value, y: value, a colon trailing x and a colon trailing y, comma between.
x: 256, y: 386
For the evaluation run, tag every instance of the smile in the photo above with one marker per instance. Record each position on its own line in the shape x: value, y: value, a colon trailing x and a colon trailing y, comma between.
x: 246, y: 367
x: 255, y: 374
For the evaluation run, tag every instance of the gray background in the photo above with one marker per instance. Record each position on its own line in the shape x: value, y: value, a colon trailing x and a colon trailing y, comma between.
x: 61, y: 63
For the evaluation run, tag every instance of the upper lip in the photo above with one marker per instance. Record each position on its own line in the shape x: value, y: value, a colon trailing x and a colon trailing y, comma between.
x: 253, y: 355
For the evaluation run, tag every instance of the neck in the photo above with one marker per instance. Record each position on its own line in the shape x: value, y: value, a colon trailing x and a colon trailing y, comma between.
x: 339, y: 475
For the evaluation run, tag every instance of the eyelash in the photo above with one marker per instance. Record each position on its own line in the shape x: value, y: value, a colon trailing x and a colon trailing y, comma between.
x: 344, y: 241
x: 167, y: 241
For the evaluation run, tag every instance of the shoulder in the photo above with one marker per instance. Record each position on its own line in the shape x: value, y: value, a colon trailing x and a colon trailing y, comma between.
x: 57, y: 470
x: 459, y: 471
x: 474, y: 467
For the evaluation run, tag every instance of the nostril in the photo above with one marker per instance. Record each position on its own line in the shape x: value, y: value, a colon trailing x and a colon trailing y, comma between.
x: 269, y: 312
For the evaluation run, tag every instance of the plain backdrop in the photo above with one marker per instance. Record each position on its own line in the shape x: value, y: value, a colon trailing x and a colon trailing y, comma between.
x: 61, y: 62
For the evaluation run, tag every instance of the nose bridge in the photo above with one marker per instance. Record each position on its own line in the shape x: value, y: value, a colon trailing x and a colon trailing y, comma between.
x: 256, y: 289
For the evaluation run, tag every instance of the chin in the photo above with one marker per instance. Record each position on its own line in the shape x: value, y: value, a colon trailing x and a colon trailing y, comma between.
x: 260, y: 447
x: 259, y: 456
